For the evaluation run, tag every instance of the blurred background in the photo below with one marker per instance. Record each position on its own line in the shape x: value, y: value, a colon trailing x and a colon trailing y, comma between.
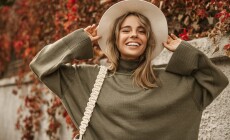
x: 29, y: 111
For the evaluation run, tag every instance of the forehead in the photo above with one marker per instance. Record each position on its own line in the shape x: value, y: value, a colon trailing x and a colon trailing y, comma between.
x: 133, y: 21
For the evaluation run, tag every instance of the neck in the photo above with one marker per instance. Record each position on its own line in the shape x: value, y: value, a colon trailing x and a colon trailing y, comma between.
x: 127, y: 66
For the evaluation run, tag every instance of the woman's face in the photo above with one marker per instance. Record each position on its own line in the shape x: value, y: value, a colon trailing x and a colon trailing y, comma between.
x: 132, y: 39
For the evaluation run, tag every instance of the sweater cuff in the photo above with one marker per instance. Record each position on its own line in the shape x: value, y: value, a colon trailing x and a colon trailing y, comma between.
x: 80, y: 44
x: 184, y: 60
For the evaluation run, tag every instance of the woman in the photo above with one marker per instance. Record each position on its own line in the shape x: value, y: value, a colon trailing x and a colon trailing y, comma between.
x: 136, y: 100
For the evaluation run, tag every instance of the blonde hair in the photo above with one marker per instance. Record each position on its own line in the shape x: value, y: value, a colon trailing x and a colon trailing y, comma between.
x: 143, y: 76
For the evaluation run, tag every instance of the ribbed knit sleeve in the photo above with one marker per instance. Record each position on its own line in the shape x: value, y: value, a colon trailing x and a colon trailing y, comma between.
x: 50, y: 61
x: 188, y: 61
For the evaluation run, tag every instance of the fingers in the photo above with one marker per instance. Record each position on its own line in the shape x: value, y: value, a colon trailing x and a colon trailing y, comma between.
x: 174, y: 36
x: 92, y: 32
x: 95, y: 33
x: 95, y: 38
x: 167, y: 46
x: 172, y: 42
x: 87, y: 28
x: 93, y: 28
x: 90, y: 29
x: 169, y: 39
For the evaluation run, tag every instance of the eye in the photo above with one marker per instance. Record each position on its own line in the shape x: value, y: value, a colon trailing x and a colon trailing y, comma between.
x: 142, y: 31
x: 125, y: 30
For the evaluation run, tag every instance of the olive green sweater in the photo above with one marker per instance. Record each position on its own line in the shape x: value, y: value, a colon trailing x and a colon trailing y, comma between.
x: 123, y: 111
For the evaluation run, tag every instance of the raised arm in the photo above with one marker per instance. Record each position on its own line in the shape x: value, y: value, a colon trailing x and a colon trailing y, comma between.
x: 188, y: 61
x: 51, y: 57
x: 49, y: 64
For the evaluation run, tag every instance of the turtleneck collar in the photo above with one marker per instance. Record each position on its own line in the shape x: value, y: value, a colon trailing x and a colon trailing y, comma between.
x: 127, y: 66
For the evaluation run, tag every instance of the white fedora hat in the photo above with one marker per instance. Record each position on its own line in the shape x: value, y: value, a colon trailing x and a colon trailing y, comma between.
x: 149, y: 10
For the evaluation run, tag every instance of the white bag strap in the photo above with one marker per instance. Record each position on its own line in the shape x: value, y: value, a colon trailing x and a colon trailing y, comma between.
x: 91, y: 103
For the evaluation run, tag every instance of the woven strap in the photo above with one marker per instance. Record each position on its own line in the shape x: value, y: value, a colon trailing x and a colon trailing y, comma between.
x: 91, y: 103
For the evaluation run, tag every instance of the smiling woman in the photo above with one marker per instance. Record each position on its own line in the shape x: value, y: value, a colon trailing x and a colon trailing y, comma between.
x: 137, y: 101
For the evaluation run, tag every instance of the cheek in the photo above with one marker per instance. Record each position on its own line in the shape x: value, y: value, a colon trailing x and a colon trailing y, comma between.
x: 121, y: 37
x: 121, y: 40
x: 144, y: 39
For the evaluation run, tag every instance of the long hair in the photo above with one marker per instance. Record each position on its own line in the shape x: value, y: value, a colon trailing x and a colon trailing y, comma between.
x: 143, y: 76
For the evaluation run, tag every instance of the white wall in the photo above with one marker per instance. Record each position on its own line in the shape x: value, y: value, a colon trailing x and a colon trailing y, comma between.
x: 9, y: 104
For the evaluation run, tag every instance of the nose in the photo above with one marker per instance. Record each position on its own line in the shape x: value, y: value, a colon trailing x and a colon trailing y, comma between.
x: 134, y: 34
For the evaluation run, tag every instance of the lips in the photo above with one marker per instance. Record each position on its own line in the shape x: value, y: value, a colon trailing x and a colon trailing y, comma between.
x: 133, y: 44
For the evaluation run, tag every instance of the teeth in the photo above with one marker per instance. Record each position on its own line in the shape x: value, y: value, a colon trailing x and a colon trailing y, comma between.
x: 133, y: 44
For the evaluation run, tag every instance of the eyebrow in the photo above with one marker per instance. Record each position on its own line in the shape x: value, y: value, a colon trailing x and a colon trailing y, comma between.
x: 130, y: 27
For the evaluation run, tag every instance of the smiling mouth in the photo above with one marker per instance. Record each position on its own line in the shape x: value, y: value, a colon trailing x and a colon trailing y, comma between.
x: 133, y: 44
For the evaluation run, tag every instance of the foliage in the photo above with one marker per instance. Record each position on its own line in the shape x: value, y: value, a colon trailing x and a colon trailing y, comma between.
x: 28, y: 25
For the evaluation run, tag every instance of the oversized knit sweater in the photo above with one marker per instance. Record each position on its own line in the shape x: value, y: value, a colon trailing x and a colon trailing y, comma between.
x: 172, y: 111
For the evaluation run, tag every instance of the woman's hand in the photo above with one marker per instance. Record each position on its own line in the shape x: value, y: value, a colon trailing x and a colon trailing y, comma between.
x: 172, y: 42
x: 92, y: 32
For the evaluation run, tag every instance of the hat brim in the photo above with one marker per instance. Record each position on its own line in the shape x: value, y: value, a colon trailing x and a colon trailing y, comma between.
x: 153, y: 13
